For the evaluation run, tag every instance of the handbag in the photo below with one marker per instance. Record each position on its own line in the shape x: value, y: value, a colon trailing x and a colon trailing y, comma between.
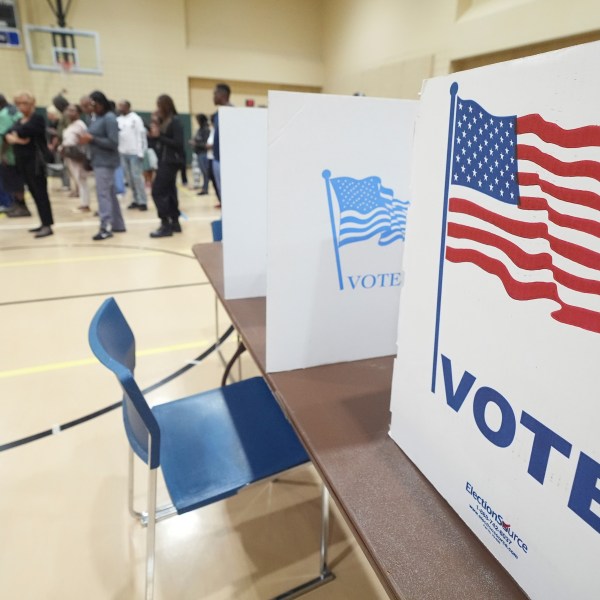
x: 74, y: 153
x: 78, y: 155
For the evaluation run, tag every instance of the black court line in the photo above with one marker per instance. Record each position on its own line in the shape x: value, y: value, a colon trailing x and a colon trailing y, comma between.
x: 111, y: 407
x: 94, y: 294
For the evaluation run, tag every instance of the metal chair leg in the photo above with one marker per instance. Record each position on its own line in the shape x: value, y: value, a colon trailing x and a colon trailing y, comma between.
x: 131, y: 488
x: 151, y: 534
x: 325, y: 575
x: 324, y: 569
x: 164, y: 512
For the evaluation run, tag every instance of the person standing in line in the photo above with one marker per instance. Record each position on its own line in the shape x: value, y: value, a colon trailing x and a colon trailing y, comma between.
x: 60, y: 103
x: 210, y: 156
x: 75, y: 155
x: 87, y: 110
x: 150, y: 158
x: 103, y: 138
x: 133, y: 143
x: 184, y: 179
x: 28, y: 139
x: 199, y: 145
x: 170, y: 150
x: 10, y: 178
x: 221, y: 95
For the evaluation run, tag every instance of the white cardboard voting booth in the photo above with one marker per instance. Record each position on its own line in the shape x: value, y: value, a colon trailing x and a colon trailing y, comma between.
x: 338, y: 181
x: 243, y: 135
x: 496, y: 391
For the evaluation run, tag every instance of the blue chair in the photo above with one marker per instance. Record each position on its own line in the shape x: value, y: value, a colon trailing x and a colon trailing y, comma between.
x: 217, y: 230
x: 209, y: 446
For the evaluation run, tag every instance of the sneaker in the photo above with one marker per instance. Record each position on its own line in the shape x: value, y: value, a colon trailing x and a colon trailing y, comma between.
x: 142, y: 207
x: 134, y: 205
x: 18, y: 210
x: 202, y: 193
x: 102, y: 235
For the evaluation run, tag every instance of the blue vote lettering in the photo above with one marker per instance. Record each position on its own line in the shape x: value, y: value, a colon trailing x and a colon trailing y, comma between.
x: 585, y: 490
x: 371, y: 280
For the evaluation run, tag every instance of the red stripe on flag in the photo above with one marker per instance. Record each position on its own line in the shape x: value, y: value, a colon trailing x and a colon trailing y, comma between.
x: 537, y: 290
x: 578, y: 168
x: 574, y: 252
x: 558, y: 218
x: 524, y: 260
x: 581, y: 197
x: 554, y: 134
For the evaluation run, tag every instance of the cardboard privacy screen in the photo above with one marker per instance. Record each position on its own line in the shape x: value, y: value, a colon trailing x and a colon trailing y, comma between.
x: 496, y: 391
x: 337, y: 208
x: 243, y: 134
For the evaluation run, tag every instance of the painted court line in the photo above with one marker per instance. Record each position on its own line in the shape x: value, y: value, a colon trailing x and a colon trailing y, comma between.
x: 58, y: 261
x: 90, y: 361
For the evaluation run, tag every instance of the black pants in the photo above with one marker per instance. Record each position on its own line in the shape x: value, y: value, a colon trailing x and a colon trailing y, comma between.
x: 34, y: 177
x: 164, y: 192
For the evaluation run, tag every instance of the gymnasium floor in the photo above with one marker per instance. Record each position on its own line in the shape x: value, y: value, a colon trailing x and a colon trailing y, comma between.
x: 65, y: 532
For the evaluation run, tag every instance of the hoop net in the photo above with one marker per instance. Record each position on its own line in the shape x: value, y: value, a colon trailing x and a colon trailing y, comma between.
x: 65, y: 66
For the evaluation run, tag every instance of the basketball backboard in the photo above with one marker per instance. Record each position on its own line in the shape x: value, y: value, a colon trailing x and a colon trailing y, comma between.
x: 61, y: 49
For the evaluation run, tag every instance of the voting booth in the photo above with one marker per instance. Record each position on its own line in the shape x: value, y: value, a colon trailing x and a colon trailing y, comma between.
x: 338, y: 200
x: 243, y: 137
x: 496, y: 385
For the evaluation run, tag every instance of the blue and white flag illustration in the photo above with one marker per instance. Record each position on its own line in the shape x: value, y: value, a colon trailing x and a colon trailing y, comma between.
x: 366, y: 209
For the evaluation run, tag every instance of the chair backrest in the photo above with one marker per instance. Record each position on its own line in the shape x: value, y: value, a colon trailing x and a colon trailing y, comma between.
x: 217, y: 230
x: 113, y: 343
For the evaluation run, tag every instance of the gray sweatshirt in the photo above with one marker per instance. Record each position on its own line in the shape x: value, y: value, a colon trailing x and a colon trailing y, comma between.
x: 104, y: 147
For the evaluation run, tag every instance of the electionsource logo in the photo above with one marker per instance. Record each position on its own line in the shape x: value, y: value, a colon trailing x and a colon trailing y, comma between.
x: 495, y: 524
x: 365, y: 209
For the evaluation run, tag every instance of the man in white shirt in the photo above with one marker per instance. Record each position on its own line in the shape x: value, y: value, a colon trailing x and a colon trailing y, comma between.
x: 133, y: 143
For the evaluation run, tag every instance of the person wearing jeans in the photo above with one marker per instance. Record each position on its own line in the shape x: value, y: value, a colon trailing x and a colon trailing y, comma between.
x: 133, y: 143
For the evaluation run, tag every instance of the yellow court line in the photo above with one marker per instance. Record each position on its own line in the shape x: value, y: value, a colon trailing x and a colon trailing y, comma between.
x: 57, y: 261
x: 90, y: 361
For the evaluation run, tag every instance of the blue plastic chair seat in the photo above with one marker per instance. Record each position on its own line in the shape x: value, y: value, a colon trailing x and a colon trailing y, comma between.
x: 239, y: 428
x: 208, y: 446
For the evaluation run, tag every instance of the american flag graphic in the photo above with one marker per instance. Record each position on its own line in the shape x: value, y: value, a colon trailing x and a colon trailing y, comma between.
x: 368, y: 209
x: 524, y: 206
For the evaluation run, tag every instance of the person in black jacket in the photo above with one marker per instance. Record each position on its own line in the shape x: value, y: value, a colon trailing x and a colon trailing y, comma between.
x: 28, y: 138
x: 170, y: 151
